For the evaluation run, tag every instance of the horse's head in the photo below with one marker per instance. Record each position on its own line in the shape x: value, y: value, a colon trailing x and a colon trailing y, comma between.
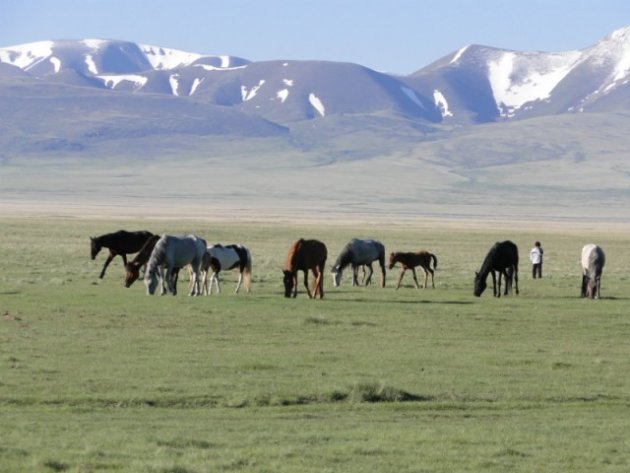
x: 132, y: 271
x: 392, y: 260
x: 95, y: 247
x: 336, y: 274
x: 480, y: 285
x: 288, y: 283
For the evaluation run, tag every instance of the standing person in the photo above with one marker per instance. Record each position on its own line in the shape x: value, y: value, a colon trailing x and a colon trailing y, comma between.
x: 536, y: 257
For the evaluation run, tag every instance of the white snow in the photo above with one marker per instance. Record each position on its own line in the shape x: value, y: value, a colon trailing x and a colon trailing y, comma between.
x: 196, y: 83
x: 112, y: 81
x: 208, y: 67
x: 56, y: 63
x: 282, y: 95
x: 89, y: 61
x: 516, y: 80
x: 27, y: 55
x: 248, y: 94
x: 317, y: 104
x: 94, y: 43
x: 412, y: 95
x: 174, y: 82
x: 458, y: 54
x: 441, y: 103
x: 166, y: 58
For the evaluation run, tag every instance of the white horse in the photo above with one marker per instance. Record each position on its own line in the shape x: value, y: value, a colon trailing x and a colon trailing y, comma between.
x: 218, y: 258
x: 593, y: 259
x: 357, y: 253
x: 173, y: 253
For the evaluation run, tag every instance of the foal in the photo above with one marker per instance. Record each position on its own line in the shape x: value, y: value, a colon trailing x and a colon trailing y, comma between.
x: 410, y: 261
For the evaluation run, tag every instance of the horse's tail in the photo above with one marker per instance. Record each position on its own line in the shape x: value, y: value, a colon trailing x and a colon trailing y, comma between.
x: 248, y: 270
x: 434, y: 260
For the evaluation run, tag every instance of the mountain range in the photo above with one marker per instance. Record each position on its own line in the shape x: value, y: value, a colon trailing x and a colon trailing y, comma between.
x: 91, y: 98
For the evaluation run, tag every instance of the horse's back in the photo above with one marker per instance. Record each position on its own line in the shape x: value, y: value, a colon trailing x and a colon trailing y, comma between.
x: 593, y: 257
x: 366, y: 251
x: 306, y: 254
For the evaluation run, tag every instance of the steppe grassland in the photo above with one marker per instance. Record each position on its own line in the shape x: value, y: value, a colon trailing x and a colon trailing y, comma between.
x: 97, y: 377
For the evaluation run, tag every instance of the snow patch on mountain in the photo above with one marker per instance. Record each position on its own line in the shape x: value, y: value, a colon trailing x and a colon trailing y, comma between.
x: 174, y: 83
x: 112, y: 81
x: 25, y: 56
x: 282, y: 95
x: 248, y: 94
x: 459, y: 54
x: 56, y: 64
x: 165, y: 58
x: 196, y: 83
x: 317, y: 104
x: 441, y: 103
x: 517, y: 79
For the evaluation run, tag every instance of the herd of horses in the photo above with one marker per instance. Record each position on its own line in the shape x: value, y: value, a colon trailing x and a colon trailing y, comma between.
x: 163, y: 256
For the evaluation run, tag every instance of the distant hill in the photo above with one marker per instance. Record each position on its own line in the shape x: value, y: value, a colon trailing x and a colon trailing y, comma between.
x: 478, y: 119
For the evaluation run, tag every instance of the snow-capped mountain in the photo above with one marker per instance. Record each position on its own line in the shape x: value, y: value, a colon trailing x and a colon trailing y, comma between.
x: 489, y: 83
x: 474, y: 84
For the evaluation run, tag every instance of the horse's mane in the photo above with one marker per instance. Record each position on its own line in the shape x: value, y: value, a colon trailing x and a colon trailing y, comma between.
x: 344, y: 258
x: 157, y: 255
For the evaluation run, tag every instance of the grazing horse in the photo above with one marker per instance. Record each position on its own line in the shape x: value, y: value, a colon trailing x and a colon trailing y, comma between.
x: 175, y: 252
x: 593, y: 259
x: 219, y: 257
x: 305, y: 255
x: 357, y: 253
x: 502, y: 257
x: 410, y: 261
x: 132, y: 269
x: 119, y: 243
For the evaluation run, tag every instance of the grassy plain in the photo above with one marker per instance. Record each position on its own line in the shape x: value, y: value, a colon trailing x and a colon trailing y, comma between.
x: 95, y: 377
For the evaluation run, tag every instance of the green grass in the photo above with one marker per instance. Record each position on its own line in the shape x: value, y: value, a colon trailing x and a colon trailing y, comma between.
x: 96, y: 377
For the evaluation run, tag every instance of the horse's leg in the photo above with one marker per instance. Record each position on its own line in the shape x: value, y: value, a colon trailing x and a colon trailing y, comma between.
x: 516, y: 279
x: 400, y: 276
x: 368, y: 280
x: 295, y: 283
x: 415, y: 278
x: 432, y: 278
x: 494, y: 284
x: 316, y: 276
x: 169, y: 280
x: 355, y: 275
x: 308, y: 290
x: 381, y: 261
x: 109, y: 259
x: 240, y: 280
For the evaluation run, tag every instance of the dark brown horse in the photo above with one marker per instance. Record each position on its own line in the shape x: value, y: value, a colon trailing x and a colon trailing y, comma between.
x: 410, y: 261
x: 502, y: 258
x: 119, y: 243
x: 132, y: 269
x: 305, y: 255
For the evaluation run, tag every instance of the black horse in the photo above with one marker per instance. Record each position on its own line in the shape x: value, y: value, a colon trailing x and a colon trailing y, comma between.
x: 119, y: 243
x: 502, y: 257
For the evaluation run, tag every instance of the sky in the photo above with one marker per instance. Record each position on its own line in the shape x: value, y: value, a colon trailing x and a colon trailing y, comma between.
x: 395, y: 36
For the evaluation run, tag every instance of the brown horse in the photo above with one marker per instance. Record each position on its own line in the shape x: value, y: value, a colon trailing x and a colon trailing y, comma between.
x: 119, y: 243
x: 305, y: 255
x: 132, y: 269
x: 410, y: 261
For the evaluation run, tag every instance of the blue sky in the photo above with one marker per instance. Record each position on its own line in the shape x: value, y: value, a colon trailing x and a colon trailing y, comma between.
x: 398, y: 36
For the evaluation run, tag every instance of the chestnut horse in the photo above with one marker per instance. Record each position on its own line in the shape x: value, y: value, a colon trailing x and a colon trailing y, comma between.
x: 410, y: 261
x: 305, y: 255
x: 119, y: 243
x: 132, y: 269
